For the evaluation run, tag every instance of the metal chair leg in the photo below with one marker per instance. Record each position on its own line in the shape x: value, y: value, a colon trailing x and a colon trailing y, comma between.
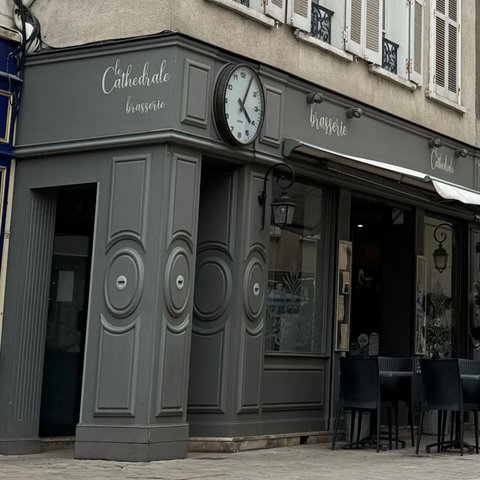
x: 461, y: 432
x: 337, y: 421
x: 475, y: 419
x: 396, y: 427
x: 420, y: 426
x: 389, y: 411
x: 439, y: 428
x: 352, y: 427
x: 412, y: 429
x: 359, y: 427
x: 378, y: 428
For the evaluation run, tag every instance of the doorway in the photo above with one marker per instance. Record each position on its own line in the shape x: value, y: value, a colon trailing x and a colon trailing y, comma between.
x: 67, y: 310
x: 383, y: 270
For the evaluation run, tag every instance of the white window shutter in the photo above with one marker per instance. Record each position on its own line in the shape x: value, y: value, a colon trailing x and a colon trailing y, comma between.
x: 446, y: 49
x: 355, y: 37
x: 300, y: 14
x: 415, y: 62
x: 453, y: 64
x: 373, y: 31
x: 276, y: 9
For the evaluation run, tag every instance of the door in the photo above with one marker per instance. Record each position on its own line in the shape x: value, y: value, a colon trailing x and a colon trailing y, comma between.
x: 67, y: 312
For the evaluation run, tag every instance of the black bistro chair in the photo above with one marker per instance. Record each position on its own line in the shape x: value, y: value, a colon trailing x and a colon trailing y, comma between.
x: 359, y: 392
x: 397, y: 389
x: 470, y: 375
x: 442, y: 391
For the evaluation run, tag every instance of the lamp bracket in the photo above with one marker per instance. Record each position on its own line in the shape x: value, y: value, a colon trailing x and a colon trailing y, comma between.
x: 442, y: 234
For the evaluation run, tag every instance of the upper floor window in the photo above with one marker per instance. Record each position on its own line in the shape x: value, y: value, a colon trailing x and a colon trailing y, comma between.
x: 388, y: 34
x: 445, y: 49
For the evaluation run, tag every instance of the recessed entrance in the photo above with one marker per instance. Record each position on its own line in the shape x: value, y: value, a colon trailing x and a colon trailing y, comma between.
x: 67, y: 310
x: 383, y: 279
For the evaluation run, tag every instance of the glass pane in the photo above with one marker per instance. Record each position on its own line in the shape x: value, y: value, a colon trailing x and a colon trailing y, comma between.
x: 439, y: 292
x: 294, y: 293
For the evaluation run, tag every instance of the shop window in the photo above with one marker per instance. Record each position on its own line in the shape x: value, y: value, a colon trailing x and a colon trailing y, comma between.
x: 445, y: 50
x: 297, y: 268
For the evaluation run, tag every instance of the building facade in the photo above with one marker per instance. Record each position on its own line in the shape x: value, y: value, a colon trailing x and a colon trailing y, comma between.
x: 153, y: 303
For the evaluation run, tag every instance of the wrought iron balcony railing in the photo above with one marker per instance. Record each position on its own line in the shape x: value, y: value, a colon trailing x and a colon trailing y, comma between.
x: 321, y: 23
x: 389, y: 55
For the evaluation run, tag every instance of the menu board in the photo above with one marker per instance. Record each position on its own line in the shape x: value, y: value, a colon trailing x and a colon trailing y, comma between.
x: 343, y: 293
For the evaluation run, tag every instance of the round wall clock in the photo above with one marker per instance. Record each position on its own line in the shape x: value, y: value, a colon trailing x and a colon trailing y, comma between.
x: 239, y: 104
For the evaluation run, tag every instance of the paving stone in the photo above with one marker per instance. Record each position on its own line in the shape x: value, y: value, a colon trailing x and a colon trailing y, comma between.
x: 302, y: 462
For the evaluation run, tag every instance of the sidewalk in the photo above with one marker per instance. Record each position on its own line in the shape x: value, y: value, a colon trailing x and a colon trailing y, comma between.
x: 292, y: 463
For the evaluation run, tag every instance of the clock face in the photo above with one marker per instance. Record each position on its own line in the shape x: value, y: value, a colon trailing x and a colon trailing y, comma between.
x: 239, y: 105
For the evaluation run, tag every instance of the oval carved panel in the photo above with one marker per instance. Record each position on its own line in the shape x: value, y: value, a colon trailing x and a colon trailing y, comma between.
x: 124, y: 282
x: 254, y: 289
x: 213, y: 289
x: 177, y: 281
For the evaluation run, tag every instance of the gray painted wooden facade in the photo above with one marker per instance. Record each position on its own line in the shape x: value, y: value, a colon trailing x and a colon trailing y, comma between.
x: 178, y: 350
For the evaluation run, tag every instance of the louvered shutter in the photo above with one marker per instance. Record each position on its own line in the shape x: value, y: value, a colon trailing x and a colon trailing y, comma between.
x: 446, y: 49
x: 354, y: 39
x: 416, y: 42
x: 276, y: 9
x: 373, y: 31
x: 300, y: 14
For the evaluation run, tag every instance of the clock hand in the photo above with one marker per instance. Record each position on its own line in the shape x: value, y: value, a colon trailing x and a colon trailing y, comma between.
x: 244, y: 110
x: 248, y: 89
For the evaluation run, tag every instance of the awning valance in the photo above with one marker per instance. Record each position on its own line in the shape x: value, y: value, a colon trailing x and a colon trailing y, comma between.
x: 446, y: 190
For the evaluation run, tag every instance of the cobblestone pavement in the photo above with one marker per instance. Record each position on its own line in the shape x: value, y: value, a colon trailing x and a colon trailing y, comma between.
x: 293, y: 463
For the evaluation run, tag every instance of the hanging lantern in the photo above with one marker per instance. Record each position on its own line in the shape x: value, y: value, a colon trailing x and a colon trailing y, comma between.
x: 440, y: 258
x: 283, y: 210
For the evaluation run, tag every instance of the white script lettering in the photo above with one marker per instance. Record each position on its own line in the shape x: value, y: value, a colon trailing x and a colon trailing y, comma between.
x: 327, y: 124
x: 437, y: 161
x: 115, y: 77
x: 144, y: 107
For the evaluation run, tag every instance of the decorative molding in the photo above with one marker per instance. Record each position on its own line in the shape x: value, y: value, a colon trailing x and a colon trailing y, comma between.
x: 117, y: 344
x: 185, y: 185
x: 177, y: 281
x: 196, y: 88
x: 133, y: 226
x: 251, y: 369
x: 257, y: 238
x: 174, y: 348
x: 254, y: 289
x: 123, y: 286
x: 34, y: 307
x: 216, y: 267
x: 218, y: 406
x: 271, y: 133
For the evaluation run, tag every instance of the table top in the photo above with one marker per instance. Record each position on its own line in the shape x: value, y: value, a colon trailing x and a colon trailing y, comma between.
x: 397, y: 374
